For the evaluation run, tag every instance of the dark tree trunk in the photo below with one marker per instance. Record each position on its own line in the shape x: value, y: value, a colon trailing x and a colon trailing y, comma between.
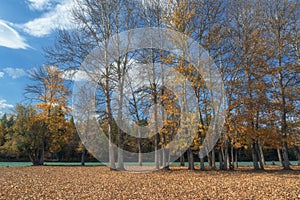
x: 182, y: 160
x: 221, y: 159
x: 190, y: 159
x: 166, y: 159
x: 297, y: 152
x: 209, y: 160
x: 286, y: 161
x: 213, y: 159
x: 83, y: 154
x: 202, y: 167
x: 41, y: 152
x: 41, y: 158
x: 35, y: 159
x: 254, y: 156
x: 232, y: 157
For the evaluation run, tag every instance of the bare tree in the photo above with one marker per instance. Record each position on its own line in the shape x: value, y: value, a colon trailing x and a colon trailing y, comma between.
x: 282, y: 23
x: 95, y: 23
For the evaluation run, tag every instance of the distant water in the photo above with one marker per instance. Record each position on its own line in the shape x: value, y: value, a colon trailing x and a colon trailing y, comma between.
x: 24, y: 164
x: 20, y: 164
x: 15, y: 164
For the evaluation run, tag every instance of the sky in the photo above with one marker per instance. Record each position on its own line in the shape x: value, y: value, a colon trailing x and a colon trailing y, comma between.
x: 26, y: 27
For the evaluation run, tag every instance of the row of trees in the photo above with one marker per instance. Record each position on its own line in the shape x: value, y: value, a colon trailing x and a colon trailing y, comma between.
x: 254, y: 43
x: 44, y: 127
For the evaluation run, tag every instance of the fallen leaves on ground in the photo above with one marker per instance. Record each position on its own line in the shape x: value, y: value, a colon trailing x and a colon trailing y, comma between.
x: 62, y: 182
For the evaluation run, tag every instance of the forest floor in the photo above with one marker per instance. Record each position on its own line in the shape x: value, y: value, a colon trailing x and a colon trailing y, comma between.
x: 63, y: 182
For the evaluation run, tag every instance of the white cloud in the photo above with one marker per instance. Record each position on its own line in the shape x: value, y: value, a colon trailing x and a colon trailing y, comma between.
x: 1, y: 74
x: 76, y: 75
x: 58, y: 16
x: 39, y: 4
x: 4, y: 106
x: 14, y: 72
x: 10, y: 38
x: 164, y: 4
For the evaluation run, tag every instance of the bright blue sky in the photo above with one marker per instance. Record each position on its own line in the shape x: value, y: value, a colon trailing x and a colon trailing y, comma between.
x: 26, y: 26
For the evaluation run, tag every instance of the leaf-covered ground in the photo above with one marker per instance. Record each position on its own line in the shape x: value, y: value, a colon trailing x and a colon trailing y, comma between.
x: 55, y: 182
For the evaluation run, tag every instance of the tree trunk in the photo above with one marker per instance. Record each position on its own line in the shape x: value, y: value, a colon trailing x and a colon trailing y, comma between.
x: 160, y: 158
x: 209, y: 160
x: 163, y: 137
x: 286, y: 161
x: 33, y: 159
x: 166, y: 159
x: 260, y: 157
x: 213, y: 159
x: 112, y: 164
x: 83, y: 153
x: 202, y: 167
x: 236, y: 158
x: 232, y: 157
x: 190, y: 159
x: 221, y: 159
x: 261, y: 152
x: 41, y: 152
x: 156, y: 154
x: 42, y: 155
x: 30, y: 158
x: 140, y: 151
x: 279, y: 157
x: 226, y: 159
x: 121, y: 80
x: 297, y: 152
x: 182, y: 160
x: 120, y: 150
x: 37, y: 156
x: 156, y: 142
x: 254, y: 156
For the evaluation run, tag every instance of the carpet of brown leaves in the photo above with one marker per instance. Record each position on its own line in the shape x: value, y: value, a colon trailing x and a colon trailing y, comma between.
x: 58, y: 182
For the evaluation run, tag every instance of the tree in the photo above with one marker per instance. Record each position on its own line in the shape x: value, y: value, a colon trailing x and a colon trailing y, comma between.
x: 3, y: 123
x: 255, y: 44
x: 97, y: 22
x: 8, y: 144
x: 152, y: 14
x: 248, y: 46
x: 50, y: 96
x: 28, y: 133
x: 282, y: 23
x: 72, y: 142
x: 202, y: 21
